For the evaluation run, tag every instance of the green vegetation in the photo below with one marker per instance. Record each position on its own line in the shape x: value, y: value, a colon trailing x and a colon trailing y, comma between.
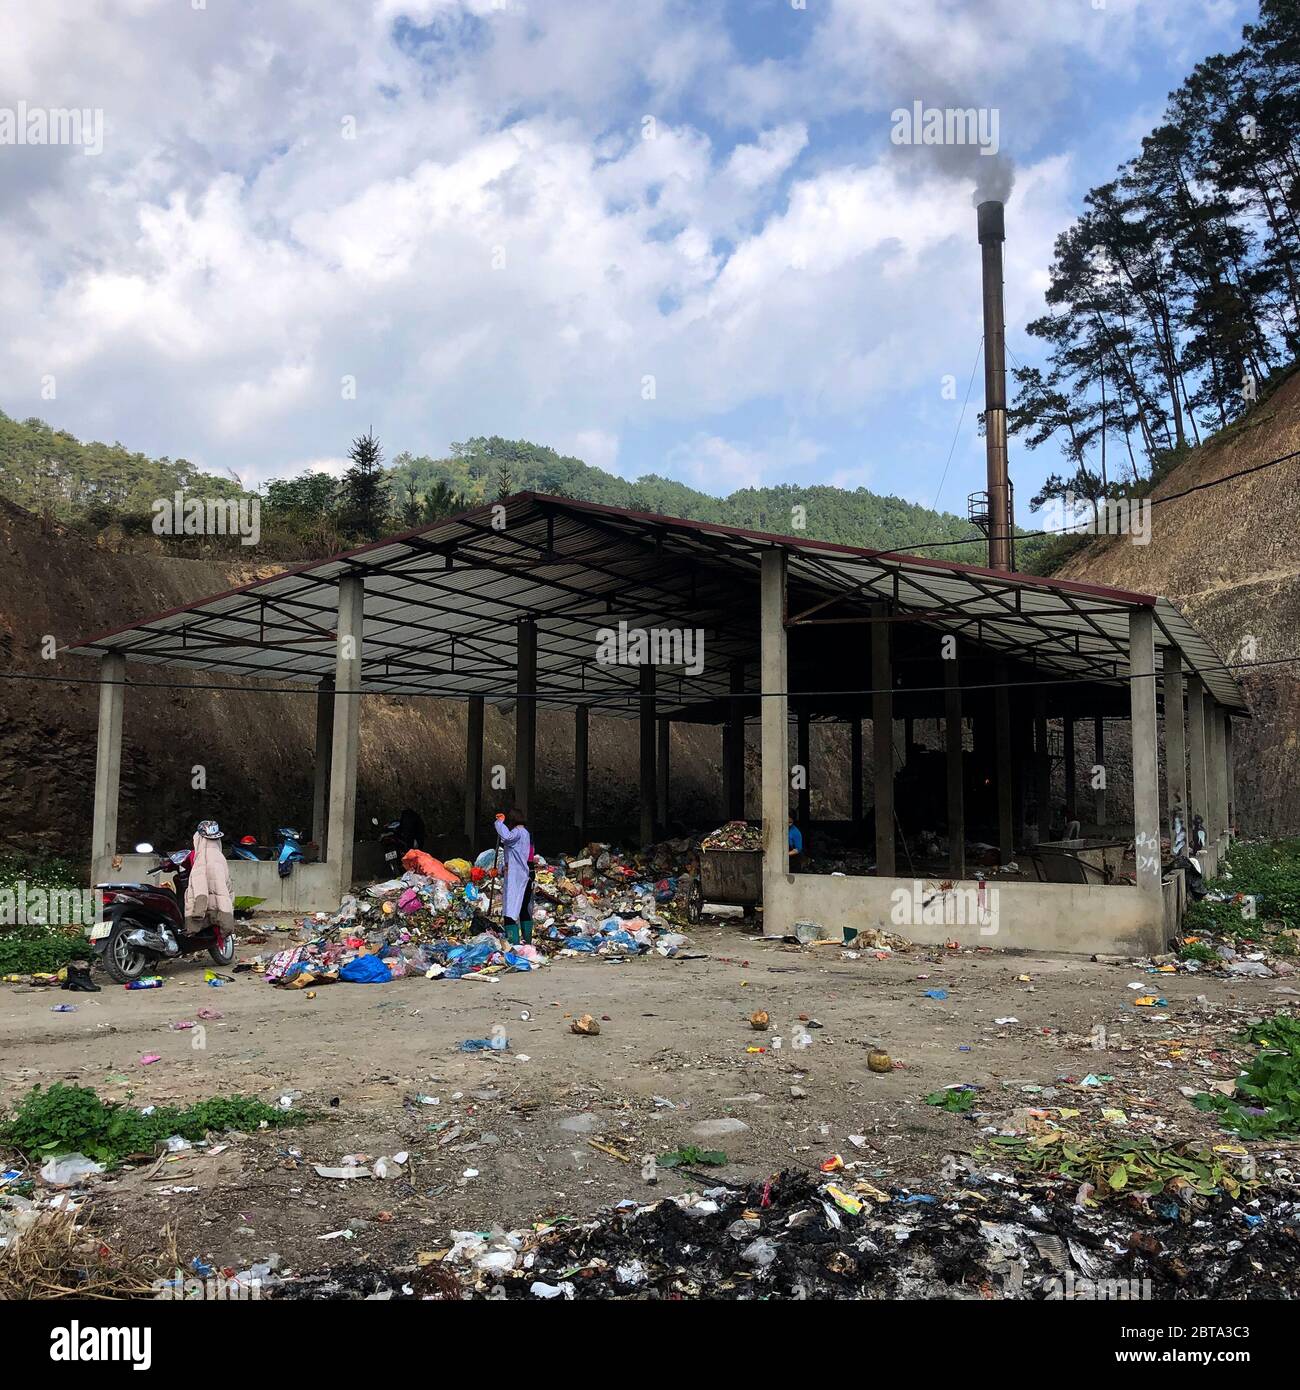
x: 475, y: 470
x: 73, y: 1119
x: 50, y: 472
x: 1267, y: 872
x: 1117, y: 1167
x: 690, y: 1156
x: 92, y: 486
x: 956, y: 1100
x: 34, y: 949
x: 1267, y: 1101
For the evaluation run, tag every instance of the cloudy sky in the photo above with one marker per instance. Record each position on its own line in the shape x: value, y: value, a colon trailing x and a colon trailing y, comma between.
x: 443, y: 218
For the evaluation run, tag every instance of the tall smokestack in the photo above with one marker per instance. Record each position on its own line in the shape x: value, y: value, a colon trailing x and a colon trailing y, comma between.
x: 992, y: 233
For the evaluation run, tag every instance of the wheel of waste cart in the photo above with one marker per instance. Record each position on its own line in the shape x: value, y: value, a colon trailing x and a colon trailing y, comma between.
x: 123, y: 961
x: 695, y: 902
x: 224, y: 953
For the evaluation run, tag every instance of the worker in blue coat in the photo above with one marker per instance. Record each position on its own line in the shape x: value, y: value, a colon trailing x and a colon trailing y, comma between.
x: 517, y: 886
x: 795, y: 840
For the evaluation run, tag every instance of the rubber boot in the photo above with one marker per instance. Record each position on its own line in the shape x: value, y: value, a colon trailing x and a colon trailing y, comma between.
x: 527, y: 926
x: 79, y: 980
x: 512, y: 933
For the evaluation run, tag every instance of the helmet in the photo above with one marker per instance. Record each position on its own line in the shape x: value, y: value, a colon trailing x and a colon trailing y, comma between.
x: 248, y: 839
x: 209, y: 829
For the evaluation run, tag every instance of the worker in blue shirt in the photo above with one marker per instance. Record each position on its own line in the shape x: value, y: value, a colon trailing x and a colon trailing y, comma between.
x: 795, y: 839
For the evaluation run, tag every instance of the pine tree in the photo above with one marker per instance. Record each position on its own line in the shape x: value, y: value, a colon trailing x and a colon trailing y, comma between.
x: 1176, y: 294
x: 365, y: 501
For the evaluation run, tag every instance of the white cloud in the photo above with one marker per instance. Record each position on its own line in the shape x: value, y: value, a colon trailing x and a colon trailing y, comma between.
x: 498, y: 250
x: 719, y: 466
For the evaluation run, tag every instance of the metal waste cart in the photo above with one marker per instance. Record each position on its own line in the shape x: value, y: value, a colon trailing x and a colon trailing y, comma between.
x: 730, y: 876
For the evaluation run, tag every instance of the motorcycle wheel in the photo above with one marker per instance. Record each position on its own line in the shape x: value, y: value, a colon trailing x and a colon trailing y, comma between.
x: 121, y: 960
x: 225, y: 953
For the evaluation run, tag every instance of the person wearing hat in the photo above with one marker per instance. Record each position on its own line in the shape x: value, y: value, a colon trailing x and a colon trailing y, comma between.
x: 517, y: 885
x: 208, y: 901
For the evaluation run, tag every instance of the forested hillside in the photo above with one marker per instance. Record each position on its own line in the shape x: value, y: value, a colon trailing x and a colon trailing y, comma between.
x: 89, y: 486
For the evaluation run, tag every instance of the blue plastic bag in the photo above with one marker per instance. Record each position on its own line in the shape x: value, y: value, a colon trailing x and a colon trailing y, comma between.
x: 365, y: 970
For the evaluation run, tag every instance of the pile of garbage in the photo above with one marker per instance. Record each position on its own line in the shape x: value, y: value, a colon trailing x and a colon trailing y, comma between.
x: 736, y: 834
x: 796, y: 1237
x: 435, y: 920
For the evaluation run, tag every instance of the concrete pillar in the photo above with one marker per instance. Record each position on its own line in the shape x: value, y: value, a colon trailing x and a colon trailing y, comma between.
x: 1071, y: 774
x: 580, y: 733
x: 1099, y: 777
x: 350, y: 629
x: 882, y: 739
x: 1230, y: 765
x: 1005, y: 771
x: 1198, y: 798
x: 802, y: 758
x: 775, y: 715
x: 956, y: 769
x: 1146, y: 777
x: 1216, y: 770
x: 648, y: 790
x: 1042, y: 768
x: 525, y: 716
x: 855, y: 770
x: 320, y: 803
x: 1175, y: 751
x: 734, y: 746
x: 474, y: 828
x: 108, y: 765
x: 661, y: 772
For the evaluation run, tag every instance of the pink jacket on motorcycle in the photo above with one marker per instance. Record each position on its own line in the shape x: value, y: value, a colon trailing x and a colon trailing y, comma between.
x: 207, y: 895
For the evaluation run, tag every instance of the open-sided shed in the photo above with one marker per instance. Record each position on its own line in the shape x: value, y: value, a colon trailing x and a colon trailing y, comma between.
x: 548, y: 601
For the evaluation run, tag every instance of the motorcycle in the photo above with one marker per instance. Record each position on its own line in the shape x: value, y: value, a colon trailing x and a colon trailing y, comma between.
x: 290, y: 851
x: 245, y: 848
x: 398, y: 836
x: 144, y: 923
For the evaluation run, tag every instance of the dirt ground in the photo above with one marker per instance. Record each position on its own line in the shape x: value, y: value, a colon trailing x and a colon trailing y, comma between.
x: 515, y: 1142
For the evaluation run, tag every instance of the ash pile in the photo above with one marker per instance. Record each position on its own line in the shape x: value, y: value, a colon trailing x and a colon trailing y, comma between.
x: 794, y: 1237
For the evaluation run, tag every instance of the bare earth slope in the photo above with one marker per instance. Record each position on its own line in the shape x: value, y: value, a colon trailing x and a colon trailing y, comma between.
x: 1230, y: 555
x: 256, y: 749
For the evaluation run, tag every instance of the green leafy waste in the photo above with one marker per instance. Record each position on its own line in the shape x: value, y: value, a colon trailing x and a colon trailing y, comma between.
x: 691, y: 1157
x: 74, y: 1119
x: 1117, y: 1166
x: 957, y: 1101
x: 1267, y: 1099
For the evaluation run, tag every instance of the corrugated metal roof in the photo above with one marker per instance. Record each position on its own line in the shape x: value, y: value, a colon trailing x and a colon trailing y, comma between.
x: 440, y: 602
